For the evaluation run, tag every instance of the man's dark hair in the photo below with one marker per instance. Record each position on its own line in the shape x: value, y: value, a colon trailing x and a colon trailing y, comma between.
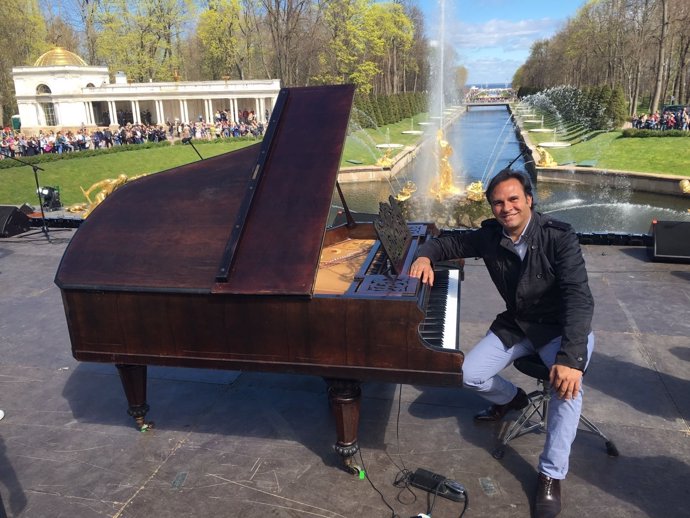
x: 507, y: 174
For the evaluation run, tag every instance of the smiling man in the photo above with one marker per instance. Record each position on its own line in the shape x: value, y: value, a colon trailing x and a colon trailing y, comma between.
x: 537, y: 266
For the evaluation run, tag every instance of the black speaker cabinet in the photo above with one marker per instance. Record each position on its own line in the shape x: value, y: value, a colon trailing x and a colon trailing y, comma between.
x: 12, y: 221
x: 671, y: 241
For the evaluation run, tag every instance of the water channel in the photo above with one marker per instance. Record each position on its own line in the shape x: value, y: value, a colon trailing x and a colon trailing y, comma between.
x: 484, y: 140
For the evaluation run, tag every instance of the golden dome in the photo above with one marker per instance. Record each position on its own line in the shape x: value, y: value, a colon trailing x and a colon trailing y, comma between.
x: 60, y: 57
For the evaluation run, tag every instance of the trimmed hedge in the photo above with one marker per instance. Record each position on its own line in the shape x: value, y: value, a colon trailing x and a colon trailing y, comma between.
x: 648, y: 133
x: 380, y: 110
x: 6, y: 163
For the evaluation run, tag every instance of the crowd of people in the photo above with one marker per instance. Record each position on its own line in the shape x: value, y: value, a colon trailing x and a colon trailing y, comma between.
x: 17, y: 144
x: 677, y: 118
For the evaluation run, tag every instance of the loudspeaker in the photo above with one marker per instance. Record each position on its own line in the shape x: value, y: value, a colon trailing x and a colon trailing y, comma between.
x: 12, y: 221
x: 671, y: 241
x: 27, y: 209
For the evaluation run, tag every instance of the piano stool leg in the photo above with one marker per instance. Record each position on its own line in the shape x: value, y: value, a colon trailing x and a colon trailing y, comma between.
x: 344, y: 397
x: 133, y: 379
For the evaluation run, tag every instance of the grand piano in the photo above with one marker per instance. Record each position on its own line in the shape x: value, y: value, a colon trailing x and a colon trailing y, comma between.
x: 227, y: 263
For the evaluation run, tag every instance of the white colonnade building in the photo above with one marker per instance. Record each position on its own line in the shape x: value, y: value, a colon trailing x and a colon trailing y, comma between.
x: 62, y: 91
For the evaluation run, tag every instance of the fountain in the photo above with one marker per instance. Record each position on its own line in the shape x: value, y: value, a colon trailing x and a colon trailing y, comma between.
x: 541, y: 129
x: 444, y: 199
x: 554, y: 143
x: 535, y: 121
x: 412, y: 131
x: 379, y: 153
x: 467, y: 148
x: 388, y: 144
x: 443, y: 186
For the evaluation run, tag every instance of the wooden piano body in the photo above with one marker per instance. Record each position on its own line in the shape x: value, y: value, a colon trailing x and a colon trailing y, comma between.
x: 226, y: 263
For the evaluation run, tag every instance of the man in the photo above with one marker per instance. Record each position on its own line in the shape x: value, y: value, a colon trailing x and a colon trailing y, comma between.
x: 537, y: 265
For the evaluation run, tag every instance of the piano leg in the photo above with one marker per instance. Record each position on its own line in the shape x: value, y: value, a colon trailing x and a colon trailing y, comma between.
x: 344, y: 397
x: 133, y: 379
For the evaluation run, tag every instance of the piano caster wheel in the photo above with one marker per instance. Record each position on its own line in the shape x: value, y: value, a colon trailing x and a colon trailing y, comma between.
x: 354, y: 469
x: 499, y: 453
x: 143, y: 426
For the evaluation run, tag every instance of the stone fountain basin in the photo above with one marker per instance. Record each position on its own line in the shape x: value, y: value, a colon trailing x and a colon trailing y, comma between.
x: 541, y: 130
x: 554, y: 144
x: 389, y: 146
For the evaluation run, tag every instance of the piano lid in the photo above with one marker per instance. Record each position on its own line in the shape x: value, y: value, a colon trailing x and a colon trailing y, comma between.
x: 258, y: 214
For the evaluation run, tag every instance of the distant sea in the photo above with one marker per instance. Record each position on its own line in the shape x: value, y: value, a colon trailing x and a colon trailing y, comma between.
x: 490, y: 85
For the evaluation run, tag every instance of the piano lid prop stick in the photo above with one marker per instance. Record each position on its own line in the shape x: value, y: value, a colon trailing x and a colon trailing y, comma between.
x: 350, y: 220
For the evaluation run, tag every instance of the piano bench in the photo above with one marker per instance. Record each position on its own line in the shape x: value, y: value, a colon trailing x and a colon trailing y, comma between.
x: 534, y: 415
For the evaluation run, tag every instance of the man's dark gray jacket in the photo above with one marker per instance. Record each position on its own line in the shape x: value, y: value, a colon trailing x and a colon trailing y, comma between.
x: 547, y: 295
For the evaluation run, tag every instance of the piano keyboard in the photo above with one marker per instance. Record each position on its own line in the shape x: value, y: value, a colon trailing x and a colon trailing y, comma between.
x: 440, y: 327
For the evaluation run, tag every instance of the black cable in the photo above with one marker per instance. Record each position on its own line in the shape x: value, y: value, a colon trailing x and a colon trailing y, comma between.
x: 402, y: 478
x: 467, y: 503
x: 433, y: 501
x: 402, y: 481
x: 430, y: 509
x: 383, y: 498
x: 404, y: 475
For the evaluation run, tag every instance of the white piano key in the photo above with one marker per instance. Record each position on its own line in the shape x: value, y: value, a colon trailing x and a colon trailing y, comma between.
x: 450, y: 325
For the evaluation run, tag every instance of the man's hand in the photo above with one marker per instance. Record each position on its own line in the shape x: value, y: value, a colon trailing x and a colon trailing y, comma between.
x: 566, y: 381
x: 422, y: 269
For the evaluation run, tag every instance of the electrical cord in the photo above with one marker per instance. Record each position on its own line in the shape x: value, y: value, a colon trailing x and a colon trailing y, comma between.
x: 383, y: 498
x: 404, y: 476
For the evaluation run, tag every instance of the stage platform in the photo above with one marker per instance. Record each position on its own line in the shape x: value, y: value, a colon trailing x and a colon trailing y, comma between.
x: 252, y: 445
x: 59, y: 218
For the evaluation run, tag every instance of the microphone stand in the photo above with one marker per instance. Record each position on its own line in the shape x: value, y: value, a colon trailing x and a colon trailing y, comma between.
x: 36, y: 169
x: 514, y: 160
x: 188, y: 140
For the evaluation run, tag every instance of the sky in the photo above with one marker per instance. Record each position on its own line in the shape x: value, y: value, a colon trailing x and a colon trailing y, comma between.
x: 493, y: 37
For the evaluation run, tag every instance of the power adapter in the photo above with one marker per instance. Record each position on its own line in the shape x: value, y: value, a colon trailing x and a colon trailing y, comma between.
x: 438, y: 485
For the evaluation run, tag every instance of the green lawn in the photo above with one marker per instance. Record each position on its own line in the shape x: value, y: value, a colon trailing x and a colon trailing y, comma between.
x: 360, y: 146
x: 606, y: 150
x: 644, y: 155
x: 17, y: 184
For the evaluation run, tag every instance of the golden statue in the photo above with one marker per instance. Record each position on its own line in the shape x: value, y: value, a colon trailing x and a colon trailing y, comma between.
x: 443, y: 186
x: 475, y: 191
x: 103, y: 189
x: 406, y: 191
x: 685, y: 187
x: 546, y: 159
x: 386, y: 161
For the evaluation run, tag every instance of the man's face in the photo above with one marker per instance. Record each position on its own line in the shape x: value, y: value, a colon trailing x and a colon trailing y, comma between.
x: 511, y: 206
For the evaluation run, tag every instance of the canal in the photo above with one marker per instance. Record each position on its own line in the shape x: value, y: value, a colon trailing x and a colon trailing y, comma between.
x: 484, y: 142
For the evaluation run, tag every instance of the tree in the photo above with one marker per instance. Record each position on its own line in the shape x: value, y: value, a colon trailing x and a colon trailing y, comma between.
x: 286, y: 20
x: 661, y: 60
x: 218, y: 33
x: 354, y: 44
x: 60, y: 33
x: 395, y: 32
x: 460, y: 81
x: 416, y: 65
x: 24, y: 22
x: 141, y: 39
x: 87, y: 10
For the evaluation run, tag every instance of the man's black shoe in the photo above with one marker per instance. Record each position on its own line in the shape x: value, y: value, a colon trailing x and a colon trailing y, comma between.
x: 547, y: 502
x: 497, y: 412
